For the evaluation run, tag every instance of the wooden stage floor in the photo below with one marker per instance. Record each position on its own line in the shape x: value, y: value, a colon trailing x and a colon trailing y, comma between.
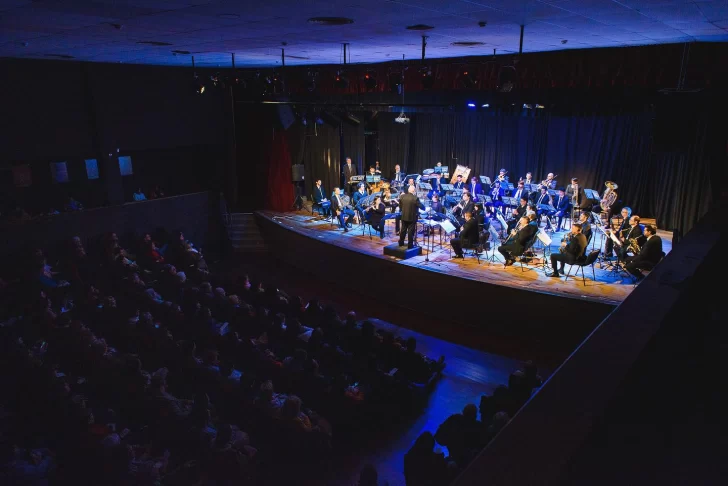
x: 608, y: 288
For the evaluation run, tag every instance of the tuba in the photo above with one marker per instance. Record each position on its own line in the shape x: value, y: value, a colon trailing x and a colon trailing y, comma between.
x: 609, y: 197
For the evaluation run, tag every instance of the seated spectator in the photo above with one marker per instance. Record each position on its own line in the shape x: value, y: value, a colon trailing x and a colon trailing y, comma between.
x: 157, y: 192
x: 139, y: 195
x: 462, y: 434
x: 292, y: 415
x: 423, y: 466
x: 269, y: 402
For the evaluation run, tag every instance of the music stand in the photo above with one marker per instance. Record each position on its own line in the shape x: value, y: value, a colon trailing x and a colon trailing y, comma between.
x: 485, y: 180
x: 494, y: 236
x: 546, y: 241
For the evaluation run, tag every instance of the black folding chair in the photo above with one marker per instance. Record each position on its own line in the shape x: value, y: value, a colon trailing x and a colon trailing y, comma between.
x: 588, y: 262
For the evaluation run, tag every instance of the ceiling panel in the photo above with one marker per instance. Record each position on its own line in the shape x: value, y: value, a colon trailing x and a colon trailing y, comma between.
x: 110, y: 30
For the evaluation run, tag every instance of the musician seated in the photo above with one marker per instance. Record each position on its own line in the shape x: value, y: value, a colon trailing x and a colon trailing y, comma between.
x: 372, y: 171
x: 465, y: 205
x: 520, y: 192
x: 319, y: 196
x: 459, y: 184
x: 359, y: 194
x: 634, y: 232
x: 542, y: 205
x: 518, y: 213
x: 516, y: 243
x: 572, y: 250
x: 397, y: 174
x: 650, y: 254
x: 496, y: 194
x: 377, y: 168
x: 436, y: 184
x: 469, y: 235
x: 375, y: 215
x: 343, y: 213
x: 561, y: 207
x: 586, y: 229
x: 528, y: 179
x: 620, y: 232
x: 436, y: 211
x: 475, y: 187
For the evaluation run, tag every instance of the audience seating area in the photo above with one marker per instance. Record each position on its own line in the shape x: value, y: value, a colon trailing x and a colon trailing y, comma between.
x: 464, y: 435
x: 127, y: 361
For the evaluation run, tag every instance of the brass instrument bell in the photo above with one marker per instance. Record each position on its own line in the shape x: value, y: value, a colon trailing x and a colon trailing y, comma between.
x: 611, y: 185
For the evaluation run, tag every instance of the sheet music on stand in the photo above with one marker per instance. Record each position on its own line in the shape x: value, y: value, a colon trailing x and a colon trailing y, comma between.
x: 596, y: 217
x: 546, y: 207
x: 510, y: 201
x: 510, y: 186
x: 485, y: 180
x: 447, y: 226
x: 530, y: 187
x: 592, y: 194
x: 457, y: 192
x: 373, y: 179
x: 447, y: 187
x: 482, y: 198
x: 425, y: 186
x: 544, y: 237
x: 552, y: 192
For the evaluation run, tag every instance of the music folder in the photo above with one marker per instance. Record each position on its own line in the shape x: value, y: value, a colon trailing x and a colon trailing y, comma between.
x: 447, y: 226
x: 447, y: 187
x: 485, y: 180
x: 425, y: 186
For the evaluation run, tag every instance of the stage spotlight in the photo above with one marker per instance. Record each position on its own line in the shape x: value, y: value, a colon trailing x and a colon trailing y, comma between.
x: 395, y: 82
x: 527, y: 107
x: 370, y: 81
x: 216, y: 80
x: 467, y: 79
x: 319, y: 120
x: 540, y: 107
x: 471, y: 105
x: 341, y: 81
x: 486, y: 105
x: 428, y: 80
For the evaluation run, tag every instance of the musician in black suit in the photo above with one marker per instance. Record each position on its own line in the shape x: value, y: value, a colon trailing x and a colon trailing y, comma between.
x: 620, y: 232
x: 377, y: 168
x: 465, y: 205
x: 586, y: 229
x: 345, y: 214
x: 520, y: 191
x: 518, y: 213
x: 561, y: 207
x: 349, y: 171
x: 375, y: 215
x: 496, y: 194
x: 436, y: 183
x: 573, y: 250
x: 545, y: 199
x: 634, y: 232
x: 359, y: 194
x: 650, y: 254
x: 468, y: 237
x: 576, y: 195
x: 516, y: 243
x: 319, y: 195
x: 475, y: 187
x: 436, y: 211
x: 459, y: 184
x: 397, y: 174
x: 409, y: 205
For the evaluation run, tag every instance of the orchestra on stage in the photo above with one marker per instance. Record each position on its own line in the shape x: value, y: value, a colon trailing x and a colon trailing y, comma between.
x: 481, y: 214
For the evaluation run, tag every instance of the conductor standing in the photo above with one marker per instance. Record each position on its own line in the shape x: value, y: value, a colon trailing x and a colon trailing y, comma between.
x: 409, y: 205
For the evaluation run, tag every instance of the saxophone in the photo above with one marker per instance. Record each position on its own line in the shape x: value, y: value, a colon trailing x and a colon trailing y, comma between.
x: 567, y: 240
x: 634, y: 246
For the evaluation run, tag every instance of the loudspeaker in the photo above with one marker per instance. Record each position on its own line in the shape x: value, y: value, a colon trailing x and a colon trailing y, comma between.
x: 297, y: 172
x: 286, y: 117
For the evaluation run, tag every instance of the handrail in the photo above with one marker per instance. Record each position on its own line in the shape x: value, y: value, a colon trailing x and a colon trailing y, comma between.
x: 542, y: 437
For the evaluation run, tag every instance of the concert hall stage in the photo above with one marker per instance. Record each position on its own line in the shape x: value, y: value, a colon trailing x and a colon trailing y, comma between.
x: 507, y: 301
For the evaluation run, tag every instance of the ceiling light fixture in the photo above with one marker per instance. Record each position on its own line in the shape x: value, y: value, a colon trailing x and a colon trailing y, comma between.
x: 467, y: 43
x: 420, y: 27
x: 370, y: 80
x: 330, y: 20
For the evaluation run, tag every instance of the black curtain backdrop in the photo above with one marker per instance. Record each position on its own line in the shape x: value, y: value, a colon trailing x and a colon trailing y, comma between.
x: 321, y: 149
x: 673, y: 187
x: 352, y: 145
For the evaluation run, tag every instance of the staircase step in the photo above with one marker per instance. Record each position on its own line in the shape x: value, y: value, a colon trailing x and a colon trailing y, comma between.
x: 244, y: 233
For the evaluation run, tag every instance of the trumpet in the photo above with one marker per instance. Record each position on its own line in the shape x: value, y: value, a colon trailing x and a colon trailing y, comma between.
x: 547, y: 183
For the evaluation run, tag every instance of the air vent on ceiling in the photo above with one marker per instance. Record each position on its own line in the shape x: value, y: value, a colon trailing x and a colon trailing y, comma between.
x: 330, y: 20
x: 297, y: 57
x: 60, y: 56
x: 180, y: 52
x: 154, y: 43
x: 420, y: 27
x: 468, y: 43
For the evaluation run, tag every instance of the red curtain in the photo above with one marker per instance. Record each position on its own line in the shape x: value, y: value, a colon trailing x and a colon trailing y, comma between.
x: 280, y: 192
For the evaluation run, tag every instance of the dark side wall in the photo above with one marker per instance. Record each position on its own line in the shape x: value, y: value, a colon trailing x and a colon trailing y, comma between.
x: 67, y: 111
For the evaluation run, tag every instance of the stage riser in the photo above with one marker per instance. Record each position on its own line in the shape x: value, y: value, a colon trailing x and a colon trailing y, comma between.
x: 498, y: 310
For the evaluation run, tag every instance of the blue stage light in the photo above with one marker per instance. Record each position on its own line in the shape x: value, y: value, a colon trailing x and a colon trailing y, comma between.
x: 471, y: 105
